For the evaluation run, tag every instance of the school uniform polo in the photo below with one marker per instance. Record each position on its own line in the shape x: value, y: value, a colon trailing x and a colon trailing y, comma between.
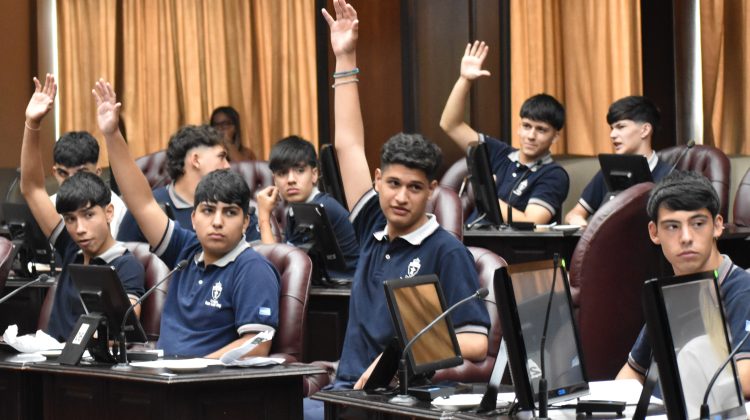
x: 209, y: 306
x: 342, y: 229
x: 427, y: 250
x: 182, y: 211
x: 734, y: 287
x: 67, y: 306
x: 596, y: 191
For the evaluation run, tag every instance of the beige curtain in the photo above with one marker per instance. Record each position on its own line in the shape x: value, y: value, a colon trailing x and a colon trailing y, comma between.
x: 182, y: 58
x: 725, y: 50
x: 587, y: 54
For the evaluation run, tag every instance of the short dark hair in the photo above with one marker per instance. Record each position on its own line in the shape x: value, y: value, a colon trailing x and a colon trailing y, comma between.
x: 186, y: 139
x: 637, y: 108
x: 76, y: 148
x: 223, y: 185
x: 233, y: 115
x: 683, y: 190
x: 290, y: 152
x: 82, y: 190
x: 412, y: 151
x: 544, y: 108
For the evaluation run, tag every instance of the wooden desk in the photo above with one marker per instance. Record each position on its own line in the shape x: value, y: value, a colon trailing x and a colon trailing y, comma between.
x: 327, y: 316
x: 358, y: 404
x: 51, y: 391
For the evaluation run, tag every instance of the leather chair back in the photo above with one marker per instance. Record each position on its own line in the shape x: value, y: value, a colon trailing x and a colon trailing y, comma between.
x: 486, y: 263
x: 453, y: 179
x: 295, y: 269
x: 154, y: 167
x: 742, y: 202
x: 612, y: 260
x: 706, y: 160
x: 446, y: 206
x: 7, y: 255
x: 155, y: 270
x: 255, y: 172
x: 46, y: 310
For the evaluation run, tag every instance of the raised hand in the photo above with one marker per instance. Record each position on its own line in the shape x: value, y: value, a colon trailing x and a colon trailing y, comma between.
x: 471, y: 63
x: 345, y: 29
x: 41, y: 101
x: 107, y: 107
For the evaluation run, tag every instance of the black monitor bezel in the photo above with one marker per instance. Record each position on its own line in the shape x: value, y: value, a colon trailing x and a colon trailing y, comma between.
x: 325, y: 244
x: 483, y: 183
x: 390, y: 287
x: 616, y: 168
x: 330, y: 175
x: 23, y: 227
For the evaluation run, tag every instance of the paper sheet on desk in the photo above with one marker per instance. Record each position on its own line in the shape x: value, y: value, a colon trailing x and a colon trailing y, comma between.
x: 31, y: 342
x: 234, y: 357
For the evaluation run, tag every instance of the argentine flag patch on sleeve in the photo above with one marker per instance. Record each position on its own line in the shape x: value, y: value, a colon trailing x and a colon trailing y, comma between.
x: 264, y: 311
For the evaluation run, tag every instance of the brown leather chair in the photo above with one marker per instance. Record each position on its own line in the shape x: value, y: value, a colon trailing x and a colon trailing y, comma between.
x: 612, y: 260
x: 154, y: 167
x: 155, y: 270
x: 295, y: 269
x: 446, y: 206
x: 742, y: 202
x: 706, y: 160
x: 7, y: 255
x: 255, y: 172
x: 456, y: 177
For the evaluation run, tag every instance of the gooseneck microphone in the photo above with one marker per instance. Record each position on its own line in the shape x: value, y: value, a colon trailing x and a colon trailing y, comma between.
x: 543, y: 378
x: 705, y: 413
x: 685, y: 151
x: 404, y: 398
x: 43, y: 278
x: 515, y: 185
x: 123, y: 356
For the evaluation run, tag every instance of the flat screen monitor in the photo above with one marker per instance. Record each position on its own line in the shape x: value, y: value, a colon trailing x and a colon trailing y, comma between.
x: 323, y: 247
x: 522, y: 294
x: 35, y: 247
x: 330, y: 175
x: 687, y: 330
x: 414, y: 302
x: 623, y: 171
x: 102, y: 292
x: 483, y: 183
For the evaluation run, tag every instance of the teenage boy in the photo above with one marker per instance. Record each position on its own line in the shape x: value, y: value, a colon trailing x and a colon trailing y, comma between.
x: 633, y: 121
x: 685, y: 222
x: 527, y: 177
x: 83, y: 235
x: 192, y: 153
x: 294, y: 164
x: 79, y: 151
x: 227, y: 293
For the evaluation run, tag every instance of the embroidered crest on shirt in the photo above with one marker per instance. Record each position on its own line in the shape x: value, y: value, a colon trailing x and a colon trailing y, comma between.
x: 215, y: 294
x: 521, y: 187
x: 413, y: 268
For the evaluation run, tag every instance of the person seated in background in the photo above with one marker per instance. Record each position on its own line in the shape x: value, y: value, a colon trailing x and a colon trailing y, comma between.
x: 633, y: 121
x: 397, y: 237
x: 79, y: 151
x: 294, y: 164
x: 227, y: 293
x: 226, y: 120
x: 82, y: 235
x: 685, y: 222
x: 192, y: 153
x: 527, y: 178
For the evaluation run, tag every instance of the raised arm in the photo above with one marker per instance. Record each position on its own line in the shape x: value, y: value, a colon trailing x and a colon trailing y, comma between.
x: 134, y: 187
x: 452, y: 120
x: 349, y: 137
x: 32, y: 172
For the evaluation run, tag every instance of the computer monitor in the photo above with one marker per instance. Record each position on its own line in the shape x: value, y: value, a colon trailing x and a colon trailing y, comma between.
x: 522, y: 294
x: 483, y: 183
x: 623, y: 171
x: 34, y: 247
x: 687, y: 330
x: 319, y: 239
x: 414, y: 302
x: 330, y: 175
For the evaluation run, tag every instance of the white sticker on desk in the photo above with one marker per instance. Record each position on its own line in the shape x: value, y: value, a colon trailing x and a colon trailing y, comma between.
x: 81, y: 333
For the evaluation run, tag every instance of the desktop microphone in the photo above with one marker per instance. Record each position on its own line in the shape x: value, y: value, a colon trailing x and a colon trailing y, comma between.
x: 687, y: 148
x: 705, y: 414
x: 43, y: 278
x: 123, y: 357
x: 510, y: 194
x: 543, y: 379
x: 404, y: 398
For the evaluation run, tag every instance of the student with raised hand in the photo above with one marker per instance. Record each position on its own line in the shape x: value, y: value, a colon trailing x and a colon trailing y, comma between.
x: 82, y: 235
x: 397, y: 237
x: 543, y: 186
x: 228, y: 292
x: 294, y: 164
x: 633, y: 121
x: 193, y: 152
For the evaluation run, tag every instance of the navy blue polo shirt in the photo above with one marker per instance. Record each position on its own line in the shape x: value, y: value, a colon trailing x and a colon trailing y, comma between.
x: 67, y: 306
x: 596, y: 191
x: 208, y: 307
x: 342, y: 228
x: 182, y: 211
x: 428, y: 250
x: 734, y: 286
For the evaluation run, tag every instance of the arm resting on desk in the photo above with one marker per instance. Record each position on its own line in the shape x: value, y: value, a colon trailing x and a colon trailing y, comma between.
x: 261, y: 349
